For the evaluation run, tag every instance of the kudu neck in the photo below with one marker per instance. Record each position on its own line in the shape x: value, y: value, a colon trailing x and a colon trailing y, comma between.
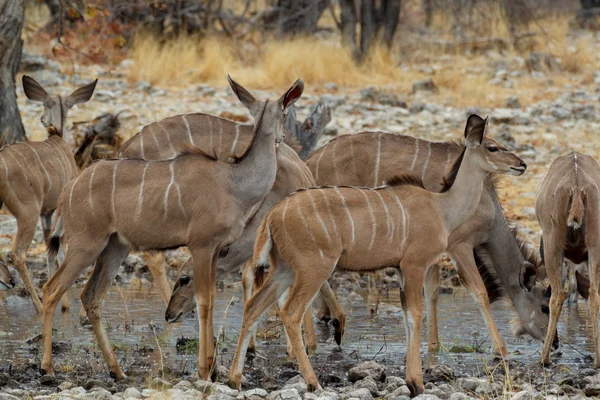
x: 461, y: 200
x: 254, y: 175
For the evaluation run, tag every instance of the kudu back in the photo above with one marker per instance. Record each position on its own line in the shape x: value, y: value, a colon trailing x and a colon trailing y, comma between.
x: 35, y: 174
x: 487, y: 253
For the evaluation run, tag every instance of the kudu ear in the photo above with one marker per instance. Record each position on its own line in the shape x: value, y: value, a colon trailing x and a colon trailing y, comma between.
x: 244, y: 96
x: 33, y: 90
x: 293, y: 94
x: 475, y: 130
x: 528, y: 276
x: 583, y: 285
x: 548, y: 292
x: 81, y: 95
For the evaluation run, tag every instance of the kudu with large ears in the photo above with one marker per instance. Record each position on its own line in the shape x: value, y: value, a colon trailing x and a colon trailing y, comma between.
x: 314, y: 231
x: 489, y: 255
x: 193, y: 200
x: 568, y: 212
x: 35, y: 173
x: 56, y: 106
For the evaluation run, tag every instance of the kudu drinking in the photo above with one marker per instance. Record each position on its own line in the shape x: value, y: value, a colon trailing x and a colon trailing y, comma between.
x: 227, y: 140
x: 490, y: 259
x: 193, y: 200
x: 567, y: 210
x: 310, y: 233
x: 35, y: 174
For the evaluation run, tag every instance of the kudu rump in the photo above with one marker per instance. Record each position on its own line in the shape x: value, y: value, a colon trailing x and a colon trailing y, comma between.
x: 485, y: 249
x: 35, y: 174
x: 306, y: 236
x: 227, y: 140
x: 117, y: 206
x: 567, y: 210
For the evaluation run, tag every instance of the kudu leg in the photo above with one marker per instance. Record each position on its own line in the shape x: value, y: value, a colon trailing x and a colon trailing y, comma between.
x: 553, y: 257
x: 205, y: 270
x: 310, y: 340
x: 75, y: 262
x: 265, y: 296
x: 594, y: 299
x: 411, y: 297
x: 336, y: 310
x: 247, y: 285
x: 469, y: 274
x: 25, y: 233
x: 156, y: 264
x: 432, y: 291
x: 104, y: 273
x: 300, y: 298
x: 51, y: 263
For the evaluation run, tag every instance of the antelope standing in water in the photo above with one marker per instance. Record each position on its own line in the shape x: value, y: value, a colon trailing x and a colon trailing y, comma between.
x: 35, y: 174
x: 304, y: 237
x: 227, y: 140
x: 491, y: 259
x: 6, y: 280
x: 193, y: 200
x: 567, y: 210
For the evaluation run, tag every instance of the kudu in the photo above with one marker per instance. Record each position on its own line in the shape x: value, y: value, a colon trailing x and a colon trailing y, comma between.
x: 226, y: 140
x: 292, y: 175
x: 490, y: 258
x: 306, y: 236
x: 35, y: 174
x: 192, y: 200
x: 567, y: 210
x: 6, y: 280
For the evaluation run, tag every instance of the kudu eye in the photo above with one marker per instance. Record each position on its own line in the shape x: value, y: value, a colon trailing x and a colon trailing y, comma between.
x: 492, y: 149
x: 184, y: 280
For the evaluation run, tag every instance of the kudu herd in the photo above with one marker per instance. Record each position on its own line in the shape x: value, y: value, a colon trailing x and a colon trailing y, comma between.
x: 237, y: 196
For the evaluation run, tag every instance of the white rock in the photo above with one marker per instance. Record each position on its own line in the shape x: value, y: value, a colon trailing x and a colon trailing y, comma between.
x: 360, y: 394
x: 132, y: 392
x: 287, y: 394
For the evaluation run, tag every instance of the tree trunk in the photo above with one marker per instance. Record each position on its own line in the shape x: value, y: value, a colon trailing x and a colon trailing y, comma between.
x: 299, y: 17
x: 348, y: 23
x: 391, y: 14
x: 428, y: 10
x: 303, y: 137
x: 368, y: 26
x: 11, y: 22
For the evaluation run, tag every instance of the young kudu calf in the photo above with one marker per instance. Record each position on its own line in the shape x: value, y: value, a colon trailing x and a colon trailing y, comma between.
x: 567, y: 210
x: 490, y: 259
x: 193, y: 200
x: 306, y: 236
x: 35, y: 174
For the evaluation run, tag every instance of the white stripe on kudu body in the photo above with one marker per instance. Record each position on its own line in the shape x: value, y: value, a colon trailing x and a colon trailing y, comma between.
x: 189, y: 131
x: 328, y: 205
x: 414, y: 161
x: 173, y: 152
x: 114, y: 188
x: 426, y: 161
x: 373, y: 221
x: 166, y: 199
x: 138, y: 210
x: 235, y: 140
x: 316, y: 211
x: 37, y: 156
x: 90, y: 187
x: 347, y: 211
x: 390, y: 221
x: 377, y: 158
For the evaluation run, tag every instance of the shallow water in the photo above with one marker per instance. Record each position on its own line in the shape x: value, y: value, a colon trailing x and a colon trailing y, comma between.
x: 135, y: 321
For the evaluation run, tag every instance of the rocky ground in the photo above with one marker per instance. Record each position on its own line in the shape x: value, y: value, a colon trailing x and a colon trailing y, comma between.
x: 560, y: 118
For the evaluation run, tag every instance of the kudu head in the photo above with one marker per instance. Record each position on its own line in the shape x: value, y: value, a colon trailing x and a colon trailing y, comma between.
x: 56, y: 106
x: 6, y: 280
x: 532, y: 305
x: 183, y: 298
x: 269, y: 115
x: 488, y: 154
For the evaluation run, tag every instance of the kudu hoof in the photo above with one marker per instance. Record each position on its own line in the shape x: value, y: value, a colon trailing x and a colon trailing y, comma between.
x: 311, y: 388
x: 415, y: 390
x: 338, y: 332
x: 44, y: 372
x: 117, y: 377
x: 234, y: 385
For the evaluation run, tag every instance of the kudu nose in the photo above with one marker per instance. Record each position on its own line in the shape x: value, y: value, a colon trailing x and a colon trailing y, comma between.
x: 11, y: 283
x: 523, y: 165
x: 167, y: 316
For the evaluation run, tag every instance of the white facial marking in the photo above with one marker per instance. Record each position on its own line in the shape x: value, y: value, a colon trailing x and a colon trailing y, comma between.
x: 494, y: 167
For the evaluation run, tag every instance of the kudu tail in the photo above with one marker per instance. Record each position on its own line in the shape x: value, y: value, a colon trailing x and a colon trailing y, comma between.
x: 262, y: 253
x: 576, y: 211
x: 58, y: 230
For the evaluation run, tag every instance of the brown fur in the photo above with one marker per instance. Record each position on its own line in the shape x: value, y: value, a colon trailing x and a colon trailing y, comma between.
x: 405, y: 179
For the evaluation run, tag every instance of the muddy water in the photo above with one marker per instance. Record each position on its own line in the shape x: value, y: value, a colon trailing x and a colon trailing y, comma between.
x: 145, y: 343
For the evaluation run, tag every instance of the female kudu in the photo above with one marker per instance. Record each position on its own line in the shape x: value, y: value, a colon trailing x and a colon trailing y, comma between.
x: 567, y: 210
x: 491, y: 260
x: 119, y: 205
x: 305, y: 237
x: 35, y: 174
